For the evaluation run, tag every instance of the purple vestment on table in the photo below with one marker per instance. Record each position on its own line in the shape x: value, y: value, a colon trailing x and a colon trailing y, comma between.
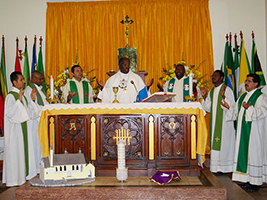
x: 162, y: 178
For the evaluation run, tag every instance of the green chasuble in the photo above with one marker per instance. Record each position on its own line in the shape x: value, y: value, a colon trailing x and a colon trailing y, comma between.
x: 185, y: 87
x: 217, y: 138
x: 242, y: 160
x: 73, y: 88
x: 39, y: 98
x: 25, y: 134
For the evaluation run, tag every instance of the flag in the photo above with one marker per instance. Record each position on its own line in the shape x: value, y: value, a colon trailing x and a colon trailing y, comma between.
x: 228, y: 67
x: 244, y: 69
x: 256, y: 65
x: 3, y: 75
x: 1, y: 115
x: 236, y: 67
x: 40, y: 66
x: 34, y: 62
x: 142, y: 94
x: 3, y: 88
x: 17, y: 62
x: 26, y: 70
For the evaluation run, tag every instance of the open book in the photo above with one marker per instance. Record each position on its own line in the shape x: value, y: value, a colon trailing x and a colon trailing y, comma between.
x: 159, y: 97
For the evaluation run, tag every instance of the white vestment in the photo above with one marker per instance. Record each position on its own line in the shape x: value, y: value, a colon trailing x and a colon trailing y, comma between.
x: 14, y: 159
x: 127, y: 92
x: 79, y: 85
x: 257, y: 149
x: 35, y: 123
x: 223, y: 160
x: 178, y: 89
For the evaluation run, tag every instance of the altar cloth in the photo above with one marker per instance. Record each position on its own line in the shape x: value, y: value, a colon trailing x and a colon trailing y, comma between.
x: 167, y: 108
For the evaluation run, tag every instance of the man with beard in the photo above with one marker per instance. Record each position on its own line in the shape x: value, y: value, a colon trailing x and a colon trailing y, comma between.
x: 222, y: 133
x: 250, y: 160
x: 19, y: 160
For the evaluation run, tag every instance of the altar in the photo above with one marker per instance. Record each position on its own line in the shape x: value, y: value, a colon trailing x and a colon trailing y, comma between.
x: 158, y: 136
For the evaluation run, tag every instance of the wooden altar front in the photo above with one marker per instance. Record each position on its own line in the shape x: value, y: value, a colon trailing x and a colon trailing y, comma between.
x: 161, y: 136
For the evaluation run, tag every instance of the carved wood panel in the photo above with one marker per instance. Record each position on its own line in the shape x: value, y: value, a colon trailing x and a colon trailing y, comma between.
x: 172, y: 140
x: 73, y: 135
x: 130, y: 127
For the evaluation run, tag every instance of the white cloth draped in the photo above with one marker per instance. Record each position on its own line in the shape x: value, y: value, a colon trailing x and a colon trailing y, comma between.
x: 223, y: 160
x: 257, y: 150
x: 133, y: 106
x: 127, y: 92
x: 14, y: 159
x: 35, y: 124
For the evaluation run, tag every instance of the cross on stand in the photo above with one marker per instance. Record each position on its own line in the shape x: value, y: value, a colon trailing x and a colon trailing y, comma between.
x: 127, y: 22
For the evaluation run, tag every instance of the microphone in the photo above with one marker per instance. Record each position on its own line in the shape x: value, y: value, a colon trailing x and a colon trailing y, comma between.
x: 137, y: 97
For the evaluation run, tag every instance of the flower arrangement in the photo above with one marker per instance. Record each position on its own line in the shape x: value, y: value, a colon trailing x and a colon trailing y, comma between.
x: 169, y: 73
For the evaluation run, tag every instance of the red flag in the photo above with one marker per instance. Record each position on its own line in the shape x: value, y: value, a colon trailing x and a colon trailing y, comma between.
x: 17, y: 63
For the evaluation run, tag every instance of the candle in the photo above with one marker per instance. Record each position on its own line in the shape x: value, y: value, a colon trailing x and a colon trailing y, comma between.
x: 191, y: 84
x: 51, y: 87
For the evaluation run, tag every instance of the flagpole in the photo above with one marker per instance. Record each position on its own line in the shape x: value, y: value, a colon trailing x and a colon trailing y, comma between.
x: 230, y: 39
x: 41, y: 40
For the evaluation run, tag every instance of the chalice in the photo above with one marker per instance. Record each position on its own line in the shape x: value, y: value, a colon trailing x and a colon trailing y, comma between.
x: 115, y: 90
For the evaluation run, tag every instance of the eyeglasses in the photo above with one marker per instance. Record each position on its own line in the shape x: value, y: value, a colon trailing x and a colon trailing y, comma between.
x: 214, y: 75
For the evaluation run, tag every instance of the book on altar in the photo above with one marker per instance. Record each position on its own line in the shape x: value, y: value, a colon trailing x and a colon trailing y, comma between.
x: 159, y: 97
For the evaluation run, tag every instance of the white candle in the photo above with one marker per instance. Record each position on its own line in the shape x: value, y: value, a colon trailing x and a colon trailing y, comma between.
x: 51, y: 87
x: 191, y: 84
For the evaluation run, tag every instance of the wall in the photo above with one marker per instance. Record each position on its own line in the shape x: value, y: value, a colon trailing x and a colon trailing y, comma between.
x: 19, y: 18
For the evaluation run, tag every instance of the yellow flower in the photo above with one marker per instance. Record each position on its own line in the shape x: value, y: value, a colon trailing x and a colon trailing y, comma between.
x: 60, y: 75
x: 84, y: 74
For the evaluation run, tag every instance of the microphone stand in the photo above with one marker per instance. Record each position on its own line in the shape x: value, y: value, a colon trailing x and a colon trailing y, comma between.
x: 137, y: 97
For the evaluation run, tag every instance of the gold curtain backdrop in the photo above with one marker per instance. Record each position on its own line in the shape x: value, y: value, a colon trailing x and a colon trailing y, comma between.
x: 162, y: 31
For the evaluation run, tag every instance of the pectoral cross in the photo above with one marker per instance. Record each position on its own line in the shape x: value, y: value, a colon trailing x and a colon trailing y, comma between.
x: 127, y: 22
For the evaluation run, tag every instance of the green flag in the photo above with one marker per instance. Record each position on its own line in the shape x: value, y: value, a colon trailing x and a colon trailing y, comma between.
x: 256, y: 65
x: 228, y: 67
x: 26, y: 70
x: 40, y: 66
x: 236, y: 68
x: 3, y: 75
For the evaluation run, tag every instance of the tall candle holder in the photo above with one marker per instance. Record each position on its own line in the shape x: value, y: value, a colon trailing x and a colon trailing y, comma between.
x: 51, y: 101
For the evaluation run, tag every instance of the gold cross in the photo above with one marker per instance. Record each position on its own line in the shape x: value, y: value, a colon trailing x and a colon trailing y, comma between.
x: 127, y: 22
x: 122, y: 134
x: 217, y: 139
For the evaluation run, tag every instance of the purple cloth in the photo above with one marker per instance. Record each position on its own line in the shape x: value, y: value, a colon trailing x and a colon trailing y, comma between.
x: 162, y: 178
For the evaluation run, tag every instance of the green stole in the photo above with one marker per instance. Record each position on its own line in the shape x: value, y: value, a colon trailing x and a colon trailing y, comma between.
x: 242, y: 160
x: 39, y: 98
x: 25, y: 135
x: 73, y: 88
x: 185, y: 92
x: 217, y: 138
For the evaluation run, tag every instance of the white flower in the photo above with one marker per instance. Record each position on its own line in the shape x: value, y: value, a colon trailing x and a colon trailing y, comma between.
x: 186, y: 68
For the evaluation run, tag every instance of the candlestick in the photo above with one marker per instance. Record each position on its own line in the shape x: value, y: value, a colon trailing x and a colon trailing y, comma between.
x: 191, y: 75
x: 51, y: 87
